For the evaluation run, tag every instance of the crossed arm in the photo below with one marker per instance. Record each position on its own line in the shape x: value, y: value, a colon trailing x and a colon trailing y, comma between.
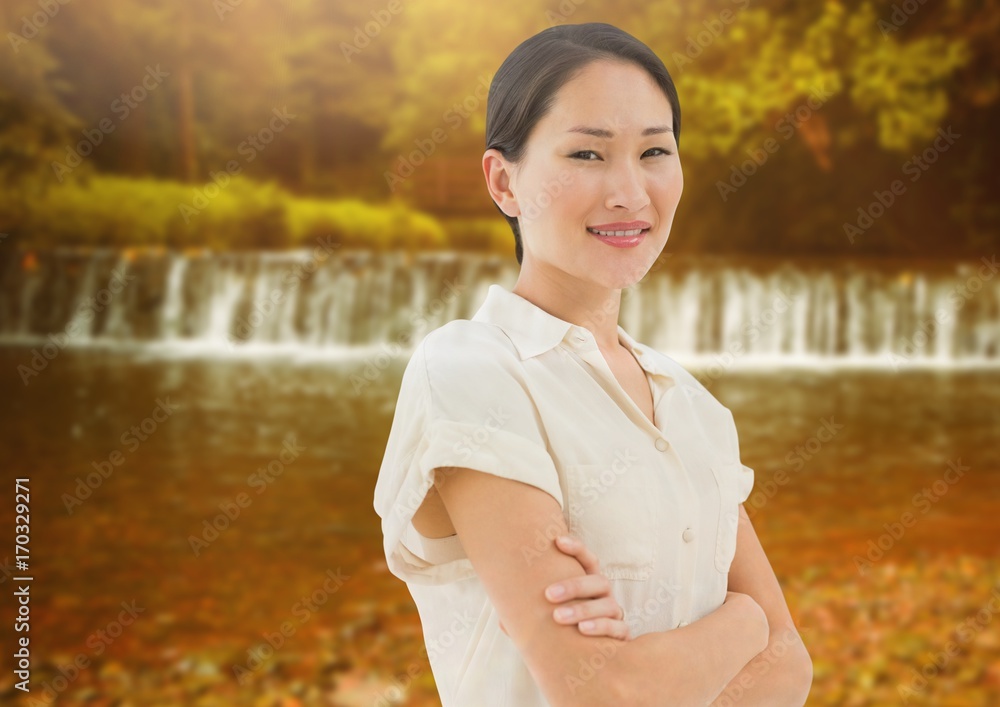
x: 782, y: 673
x: 499, y: 522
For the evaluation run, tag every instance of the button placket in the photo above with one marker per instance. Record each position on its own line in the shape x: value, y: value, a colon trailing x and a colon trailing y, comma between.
x: 689, y: 545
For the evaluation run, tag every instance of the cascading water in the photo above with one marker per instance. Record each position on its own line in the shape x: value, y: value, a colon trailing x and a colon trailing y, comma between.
x: 725, y: 309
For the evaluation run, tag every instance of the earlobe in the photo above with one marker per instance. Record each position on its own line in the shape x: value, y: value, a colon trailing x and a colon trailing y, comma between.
x: 497, y: 171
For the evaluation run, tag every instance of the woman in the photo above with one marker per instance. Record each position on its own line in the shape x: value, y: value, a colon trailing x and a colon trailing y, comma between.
x: 542, y: 417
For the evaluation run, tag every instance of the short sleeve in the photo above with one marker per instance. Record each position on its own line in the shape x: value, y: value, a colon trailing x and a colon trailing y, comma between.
x: 463, y: 402
x: 719, y: 428
x: 746, y: 483
x: 746, y: 476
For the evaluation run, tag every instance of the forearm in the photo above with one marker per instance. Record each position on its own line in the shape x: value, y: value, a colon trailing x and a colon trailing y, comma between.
x: 779, y: 676
x: 692, y: 664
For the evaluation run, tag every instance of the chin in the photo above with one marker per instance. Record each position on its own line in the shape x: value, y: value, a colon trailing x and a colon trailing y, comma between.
x: 619, y: 279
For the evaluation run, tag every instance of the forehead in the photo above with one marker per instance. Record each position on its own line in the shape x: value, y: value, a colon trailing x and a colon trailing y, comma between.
x: 615, y: 95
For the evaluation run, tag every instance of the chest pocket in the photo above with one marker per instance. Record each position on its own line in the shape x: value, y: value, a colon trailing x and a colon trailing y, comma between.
x: 612, y: 509
x: 727, y: 475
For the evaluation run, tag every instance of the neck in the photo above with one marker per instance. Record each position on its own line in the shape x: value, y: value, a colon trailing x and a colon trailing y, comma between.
x: 580, y: 302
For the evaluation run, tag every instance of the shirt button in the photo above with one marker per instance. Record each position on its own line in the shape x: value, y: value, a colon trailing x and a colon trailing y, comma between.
x: 682, y: 623
x: 662, y: 444
x: 688, y: 535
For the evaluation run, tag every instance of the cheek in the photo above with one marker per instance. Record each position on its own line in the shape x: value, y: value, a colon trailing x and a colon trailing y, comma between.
x: 668, y: 185
x: 561, y: 197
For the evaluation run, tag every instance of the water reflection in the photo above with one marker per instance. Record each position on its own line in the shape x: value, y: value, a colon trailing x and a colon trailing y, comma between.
x: 131, y: 537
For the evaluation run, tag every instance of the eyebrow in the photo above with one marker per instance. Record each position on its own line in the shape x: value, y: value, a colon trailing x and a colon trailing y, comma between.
x: 601, y: 132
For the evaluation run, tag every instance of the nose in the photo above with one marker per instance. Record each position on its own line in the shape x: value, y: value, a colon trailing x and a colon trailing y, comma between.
x: 626, y: 188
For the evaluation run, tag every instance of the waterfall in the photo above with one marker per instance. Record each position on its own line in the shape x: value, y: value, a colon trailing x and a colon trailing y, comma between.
x: 712, y: 309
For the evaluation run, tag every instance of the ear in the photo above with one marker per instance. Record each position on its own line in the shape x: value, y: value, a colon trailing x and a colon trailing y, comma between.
x: 498, y: 172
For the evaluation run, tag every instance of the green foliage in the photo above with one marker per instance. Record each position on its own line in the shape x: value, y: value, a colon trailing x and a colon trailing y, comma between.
x: 903, y: 84
x: 116, y: 211
x: 367, y: 84
x: 359, y: 224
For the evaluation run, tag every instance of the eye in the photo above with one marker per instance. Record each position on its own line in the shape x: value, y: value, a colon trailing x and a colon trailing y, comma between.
x: 665, y: 152
x: 576, y: 155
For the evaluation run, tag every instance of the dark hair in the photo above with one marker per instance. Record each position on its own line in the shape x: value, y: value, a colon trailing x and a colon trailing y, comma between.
x: 524, y: 87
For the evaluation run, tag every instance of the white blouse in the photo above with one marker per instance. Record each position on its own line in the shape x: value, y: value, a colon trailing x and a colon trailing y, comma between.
x: 522, y: 394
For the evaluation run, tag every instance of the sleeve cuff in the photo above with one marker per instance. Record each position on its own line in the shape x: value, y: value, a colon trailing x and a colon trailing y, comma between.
x: 746, y: 482
x: 414, y: 558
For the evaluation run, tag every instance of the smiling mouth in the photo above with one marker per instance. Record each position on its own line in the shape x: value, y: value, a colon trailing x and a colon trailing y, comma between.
x: 631, y: 232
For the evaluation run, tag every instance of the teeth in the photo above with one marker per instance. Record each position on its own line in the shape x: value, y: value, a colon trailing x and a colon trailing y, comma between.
x: 634, y: 232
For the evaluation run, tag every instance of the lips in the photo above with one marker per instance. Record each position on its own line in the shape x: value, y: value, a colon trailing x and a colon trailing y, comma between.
x: 620, y: 228
x: 630, y: 232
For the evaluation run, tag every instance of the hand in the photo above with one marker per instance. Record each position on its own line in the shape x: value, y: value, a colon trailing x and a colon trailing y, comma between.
x: 600, y: 607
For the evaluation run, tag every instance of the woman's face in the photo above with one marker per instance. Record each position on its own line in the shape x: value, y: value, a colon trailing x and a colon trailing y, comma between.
x: 604, y: 154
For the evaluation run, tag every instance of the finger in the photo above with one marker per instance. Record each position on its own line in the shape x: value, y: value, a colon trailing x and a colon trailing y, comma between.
x: 603, y: 608
x: 591, y: 586
x: 605, y: 627
x: 575, y: 548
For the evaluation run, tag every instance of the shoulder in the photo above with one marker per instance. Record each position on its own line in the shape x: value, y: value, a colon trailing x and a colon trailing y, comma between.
x: 469, y: 369
x: 466, y: 347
